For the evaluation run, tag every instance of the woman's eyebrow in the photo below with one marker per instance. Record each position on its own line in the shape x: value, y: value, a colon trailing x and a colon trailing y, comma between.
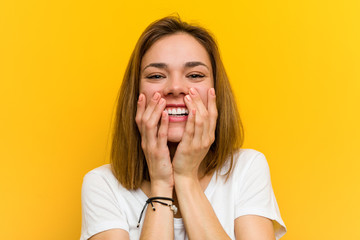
x: 187, y: 65
x: 157, y: 65
x: 194, y: 64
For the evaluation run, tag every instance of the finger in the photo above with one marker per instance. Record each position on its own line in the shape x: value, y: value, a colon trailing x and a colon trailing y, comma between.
x: 190, y: 123
x: 200, y: 129
x: 195, y: 97
x: 140, y: 110
x: 149, y: 109
x: 163, y: 130
x: 212, y: 109
x: 202, y: 118
x: 151, y: 105
x: 152, y: 123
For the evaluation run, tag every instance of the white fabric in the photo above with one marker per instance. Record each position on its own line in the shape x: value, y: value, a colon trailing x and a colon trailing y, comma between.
x: 248, y: 191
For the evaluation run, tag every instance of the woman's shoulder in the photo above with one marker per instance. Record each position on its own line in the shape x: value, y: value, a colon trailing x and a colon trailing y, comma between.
x: 100, y: 174
x: 246, y: 159
x: 101, y: 170
x: 247, y: 153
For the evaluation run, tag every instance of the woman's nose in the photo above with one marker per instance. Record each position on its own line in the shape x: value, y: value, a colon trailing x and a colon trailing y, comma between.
x: 175, y: 86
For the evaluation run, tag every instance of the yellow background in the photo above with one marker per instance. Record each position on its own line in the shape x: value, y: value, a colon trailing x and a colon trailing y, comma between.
x: 295, y: 70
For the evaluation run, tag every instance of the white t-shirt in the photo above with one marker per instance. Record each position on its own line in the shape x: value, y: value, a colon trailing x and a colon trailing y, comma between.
x: 248, y: 191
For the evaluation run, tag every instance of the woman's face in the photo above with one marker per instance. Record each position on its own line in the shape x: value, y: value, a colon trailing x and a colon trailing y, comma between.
x: 172, y: 66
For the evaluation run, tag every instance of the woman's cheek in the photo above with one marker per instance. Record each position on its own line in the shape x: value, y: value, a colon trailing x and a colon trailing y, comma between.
x: 149, y: 91
x: 203, y: 95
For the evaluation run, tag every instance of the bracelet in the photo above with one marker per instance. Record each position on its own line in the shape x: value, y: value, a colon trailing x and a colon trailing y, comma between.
x: 156, y: 199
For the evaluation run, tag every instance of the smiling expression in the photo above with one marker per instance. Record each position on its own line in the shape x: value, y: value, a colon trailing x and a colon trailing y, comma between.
x: 172, y: 66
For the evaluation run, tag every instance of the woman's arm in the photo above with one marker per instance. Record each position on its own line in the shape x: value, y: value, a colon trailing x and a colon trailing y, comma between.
x: 101, y: 217
x: 199, y: 217
x: 202, y: 223
x: 113, y: 234
x: 252, y: 227
x: 158, y: 224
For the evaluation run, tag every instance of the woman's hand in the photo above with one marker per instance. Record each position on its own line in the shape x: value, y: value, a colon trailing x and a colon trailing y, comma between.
x: 198, y: 136
x: 154, y: 140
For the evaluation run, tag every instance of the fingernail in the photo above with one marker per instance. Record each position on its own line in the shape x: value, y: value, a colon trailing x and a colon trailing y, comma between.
x: 141, y: 97
x: 164, y: 114
x: 192, y: 91
x: 161, y: 102
x: 156, y: 96
x: 188, y: 98
x: 212, y: 91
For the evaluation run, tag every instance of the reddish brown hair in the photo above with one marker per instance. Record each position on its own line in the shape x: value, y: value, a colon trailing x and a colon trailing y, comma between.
x: 127, y: 158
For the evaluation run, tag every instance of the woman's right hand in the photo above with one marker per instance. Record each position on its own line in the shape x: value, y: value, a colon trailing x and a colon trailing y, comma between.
x: 154, y: 141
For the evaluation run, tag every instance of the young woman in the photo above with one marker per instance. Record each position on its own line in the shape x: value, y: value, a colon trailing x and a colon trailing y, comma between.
x: 177, y: 168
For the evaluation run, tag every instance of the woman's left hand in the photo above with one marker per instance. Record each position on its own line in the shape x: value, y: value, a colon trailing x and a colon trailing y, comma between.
x: 198, y: 136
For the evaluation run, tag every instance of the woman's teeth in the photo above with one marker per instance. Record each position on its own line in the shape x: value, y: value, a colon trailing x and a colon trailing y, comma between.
x: 177, y: 111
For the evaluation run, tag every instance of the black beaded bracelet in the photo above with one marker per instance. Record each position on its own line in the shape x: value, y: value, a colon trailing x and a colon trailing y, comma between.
x: 156, y: 199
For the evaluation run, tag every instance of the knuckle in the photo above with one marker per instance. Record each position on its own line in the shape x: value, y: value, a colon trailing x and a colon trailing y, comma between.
x: 197, y: 147
x: 199, y: 123
x: 187, y: 151
x: 216, y: 114
x: 212, y: 138
x: 151, y: 146
x: 204, y: 147
x: 205, y: 115
x: 205, y: 144
x: 157, y: 155
x: 143, y: 145
x: 142, y: 120
x: 149, y: 125
x: 138, y: 120
x: 162, y: 134
x: 190, y: 131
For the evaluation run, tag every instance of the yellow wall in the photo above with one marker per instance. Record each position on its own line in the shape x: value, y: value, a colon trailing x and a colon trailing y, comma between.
x: 294, y: 66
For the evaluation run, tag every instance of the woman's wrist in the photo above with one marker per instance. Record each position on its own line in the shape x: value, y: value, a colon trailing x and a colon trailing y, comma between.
x: 188, y: 181
x: 161, y: 190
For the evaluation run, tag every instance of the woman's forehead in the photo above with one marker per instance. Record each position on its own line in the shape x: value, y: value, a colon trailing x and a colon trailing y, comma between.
x: 177, y: 50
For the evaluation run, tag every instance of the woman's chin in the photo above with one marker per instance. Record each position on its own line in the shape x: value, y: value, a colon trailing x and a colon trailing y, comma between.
x: 175, y: 137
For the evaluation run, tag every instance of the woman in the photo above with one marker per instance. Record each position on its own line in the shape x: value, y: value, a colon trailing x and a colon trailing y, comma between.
x: 176, y: 150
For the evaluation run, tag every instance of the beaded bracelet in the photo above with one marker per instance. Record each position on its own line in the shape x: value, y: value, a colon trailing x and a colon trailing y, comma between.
x: 156, y: 199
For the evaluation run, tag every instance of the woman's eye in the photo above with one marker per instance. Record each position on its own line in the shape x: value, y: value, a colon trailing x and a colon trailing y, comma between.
x: 196, y: 76
x: 155, y: 76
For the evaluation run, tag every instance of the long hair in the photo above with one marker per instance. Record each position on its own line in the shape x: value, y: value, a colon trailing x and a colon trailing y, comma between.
x: 127, y: 159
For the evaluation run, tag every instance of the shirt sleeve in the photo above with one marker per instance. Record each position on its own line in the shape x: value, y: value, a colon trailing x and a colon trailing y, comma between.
x: 100, y: 208
x: 256, y: 196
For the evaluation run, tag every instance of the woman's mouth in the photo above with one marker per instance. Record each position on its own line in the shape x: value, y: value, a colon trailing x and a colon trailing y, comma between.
x: 179, y: 111
x: 177, y: 114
